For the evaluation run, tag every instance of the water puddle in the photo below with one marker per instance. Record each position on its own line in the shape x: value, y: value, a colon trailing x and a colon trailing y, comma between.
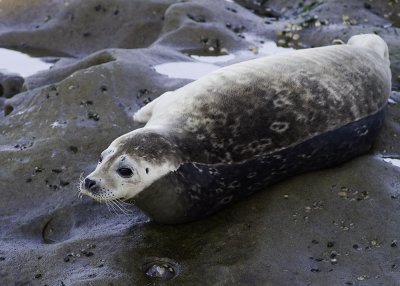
x: 188, y: 70
x: 394, y: 162
x: 213, y: 59
x: 265, y: 48
x: 20, y: 63
x: 160, y: 268
x: 271, y: 48
x: 208, y: 61
x: 394, y: 97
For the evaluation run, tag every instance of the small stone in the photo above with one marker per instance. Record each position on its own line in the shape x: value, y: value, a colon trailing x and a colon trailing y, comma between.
x: 319, y: 259
x: 315, y: 270
x: 63, y: 183
x: 281, y: 42
x: 73, y: 149
x: 285, y: 196
x: 296, y: 37
x: 314, y: 241
x: 353, y: 22
x: 94, y: 116
x: 38, y: 276
x: 38, y: 170
x: 88, y: 254
x: 361, y: 278
x: 394, y: 243
x: 330, y: 244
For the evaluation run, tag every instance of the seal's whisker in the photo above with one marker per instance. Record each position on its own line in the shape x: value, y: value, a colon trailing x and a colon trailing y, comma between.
x: 79, y: 185
x: 123, y: 206
x: 110, y: 208
x: 116, y: 209
x: 124, y: 202
x: 119, y: 207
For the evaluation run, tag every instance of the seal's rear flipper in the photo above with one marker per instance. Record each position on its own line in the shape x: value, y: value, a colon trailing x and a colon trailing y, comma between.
x: 373, y: 42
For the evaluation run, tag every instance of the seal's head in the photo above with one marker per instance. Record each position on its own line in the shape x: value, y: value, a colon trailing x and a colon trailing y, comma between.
x: 130, y: 164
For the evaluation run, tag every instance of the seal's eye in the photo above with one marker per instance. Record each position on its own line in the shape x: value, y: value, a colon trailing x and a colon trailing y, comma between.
x: 125, y: 172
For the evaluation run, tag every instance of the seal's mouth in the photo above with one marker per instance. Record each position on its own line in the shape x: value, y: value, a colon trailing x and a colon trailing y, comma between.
x: 103, y: 196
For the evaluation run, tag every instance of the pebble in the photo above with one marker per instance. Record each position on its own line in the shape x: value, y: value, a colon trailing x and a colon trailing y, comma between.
x: 361, y: 278
x: 296, y: 37
x: 330, y: 244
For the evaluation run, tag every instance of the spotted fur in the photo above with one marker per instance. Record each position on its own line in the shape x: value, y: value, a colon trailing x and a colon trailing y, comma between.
x: 245, y: 126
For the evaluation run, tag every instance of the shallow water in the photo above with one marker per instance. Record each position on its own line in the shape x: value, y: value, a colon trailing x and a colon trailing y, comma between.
x: 395, y: 162
x: 205, y: 64
x: 20, y: 63
x: 189, y: 70
x: 264, y: 48
x: 213, y: 59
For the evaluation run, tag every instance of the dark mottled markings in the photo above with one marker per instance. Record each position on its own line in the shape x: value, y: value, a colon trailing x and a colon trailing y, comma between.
x: 193, y: 193
x: 284, y: 108
x: 302, y: 112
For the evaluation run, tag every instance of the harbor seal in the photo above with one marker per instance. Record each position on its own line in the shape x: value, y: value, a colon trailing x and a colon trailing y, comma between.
x: 245, y: 126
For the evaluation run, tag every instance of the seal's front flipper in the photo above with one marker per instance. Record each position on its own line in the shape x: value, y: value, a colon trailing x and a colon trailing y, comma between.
x: 144, y: 114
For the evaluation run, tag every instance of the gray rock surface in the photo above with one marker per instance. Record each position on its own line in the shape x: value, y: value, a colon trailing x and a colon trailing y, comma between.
x: 338, y: 226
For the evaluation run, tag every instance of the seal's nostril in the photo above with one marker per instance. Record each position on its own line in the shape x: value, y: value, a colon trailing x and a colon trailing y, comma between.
x: 89, y: 183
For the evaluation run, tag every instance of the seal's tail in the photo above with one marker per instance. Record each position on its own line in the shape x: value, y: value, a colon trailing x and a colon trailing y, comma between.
x: 373, y: 42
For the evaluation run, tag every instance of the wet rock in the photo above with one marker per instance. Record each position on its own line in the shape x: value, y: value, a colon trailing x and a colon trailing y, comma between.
x: 10, y: 84
x: 340, y: 217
